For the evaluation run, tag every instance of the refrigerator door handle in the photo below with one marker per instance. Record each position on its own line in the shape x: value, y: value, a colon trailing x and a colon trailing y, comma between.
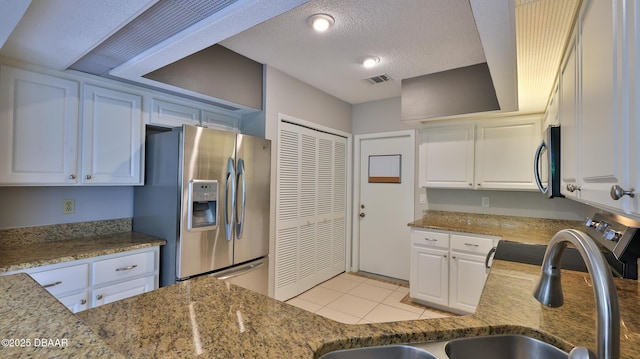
x: 241, y: 201
x: 230, y: 184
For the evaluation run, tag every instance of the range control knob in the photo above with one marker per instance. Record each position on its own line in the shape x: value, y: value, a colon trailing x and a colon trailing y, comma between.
x: 602, y: 226
x: 590, y: 223
x: 611, y: 234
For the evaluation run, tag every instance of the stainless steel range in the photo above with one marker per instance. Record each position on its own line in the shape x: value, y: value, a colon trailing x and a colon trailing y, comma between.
x: 621, y: 237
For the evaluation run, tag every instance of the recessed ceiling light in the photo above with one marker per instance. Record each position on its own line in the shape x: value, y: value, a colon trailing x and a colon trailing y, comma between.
x: 321, y: 22
x: 370, y: 61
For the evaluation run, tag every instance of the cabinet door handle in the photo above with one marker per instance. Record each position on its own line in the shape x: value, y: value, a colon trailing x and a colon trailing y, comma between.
x: 72, y: 176
x: 472, y: 245
x: 126, y: 268
x: 83, y: 301
x: 488, y: 257
x: 572, y: 188
x: 99, y: 297
x: 430, y: 239
x: 618, y: 192
x: 52, y: 284
x: 87, y: 177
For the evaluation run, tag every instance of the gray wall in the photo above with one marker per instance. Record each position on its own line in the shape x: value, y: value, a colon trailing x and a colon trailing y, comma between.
x: 378, y: 116
x: 38, y: 206
x: 287, y: 95
x: 384, y: 116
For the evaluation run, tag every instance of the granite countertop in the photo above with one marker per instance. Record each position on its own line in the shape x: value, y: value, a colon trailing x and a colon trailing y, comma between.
x: 35, y: 325
x: 510, y: 228
x: 209, y: 318
x: 16, y: 256
x: 206, y: 317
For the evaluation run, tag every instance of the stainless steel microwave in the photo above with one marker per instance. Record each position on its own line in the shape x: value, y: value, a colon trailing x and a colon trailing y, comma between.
x: 546, y: 164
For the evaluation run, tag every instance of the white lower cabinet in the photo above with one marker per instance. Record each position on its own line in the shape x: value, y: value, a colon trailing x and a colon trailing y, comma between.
x: 119, y: 291
x: 467, y: 275
x: 448, y: 269
x: 91, y: 282
x: 76, y: 302
x: 431, y: 267
x: 63, y: 280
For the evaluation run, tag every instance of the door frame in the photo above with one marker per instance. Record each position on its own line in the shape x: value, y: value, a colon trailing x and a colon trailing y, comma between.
x: 355, y: 236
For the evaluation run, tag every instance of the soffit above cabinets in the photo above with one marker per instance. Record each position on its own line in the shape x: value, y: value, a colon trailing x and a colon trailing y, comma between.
x: 55, y: 34
x: 411, y: 38
x: 542, y: 32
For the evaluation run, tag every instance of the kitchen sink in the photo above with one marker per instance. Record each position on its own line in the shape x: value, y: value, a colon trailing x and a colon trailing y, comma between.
x: 381, y: 352
x: 506, y: 346
x: 502, y: 347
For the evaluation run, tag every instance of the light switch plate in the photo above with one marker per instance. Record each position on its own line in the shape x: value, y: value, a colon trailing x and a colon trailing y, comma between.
x: 423, y: 198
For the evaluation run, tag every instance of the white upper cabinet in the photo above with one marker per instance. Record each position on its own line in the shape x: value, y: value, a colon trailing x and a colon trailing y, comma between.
x: 446, y: 156
x: 569, y: 125
x: 632, y: 103
x: 66, y: 128
x: 504, y: 153
x: 112, y: 137
x: 47, y: 142
x: 485, y: 154
x: 170, y: 114
x: 602, y: 157
x: 39, y: 121
x: 176, y: 113
x: 219, y: 121
x: 598, y: 107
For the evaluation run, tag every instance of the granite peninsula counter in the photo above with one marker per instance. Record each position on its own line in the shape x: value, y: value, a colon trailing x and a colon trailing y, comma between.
x: 208, y: 318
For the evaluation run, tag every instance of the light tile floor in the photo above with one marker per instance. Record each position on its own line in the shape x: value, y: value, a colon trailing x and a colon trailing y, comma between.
x: 354, y: 299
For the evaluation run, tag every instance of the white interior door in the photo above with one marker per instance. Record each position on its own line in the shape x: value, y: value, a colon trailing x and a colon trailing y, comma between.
x: 386, y: 202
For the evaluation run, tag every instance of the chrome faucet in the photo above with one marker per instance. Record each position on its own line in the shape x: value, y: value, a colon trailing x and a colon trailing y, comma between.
x: 549, y: 290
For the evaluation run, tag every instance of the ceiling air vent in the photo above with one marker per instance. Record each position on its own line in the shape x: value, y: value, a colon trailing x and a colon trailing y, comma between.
x: 378, y: 79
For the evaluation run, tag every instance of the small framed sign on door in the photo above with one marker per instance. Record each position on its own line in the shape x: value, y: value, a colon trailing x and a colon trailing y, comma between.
x: 385, y: 168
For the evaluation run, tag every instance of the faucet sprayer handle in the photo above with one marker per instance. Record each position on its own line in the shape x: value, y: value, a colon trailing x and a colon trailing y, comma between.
x: 581, y: 353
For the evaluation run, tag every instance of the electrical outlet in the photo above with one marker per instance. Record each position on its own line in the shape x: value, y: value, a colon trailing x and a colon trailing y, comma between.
x: 423, y: 198
x: 485, y: 201
x: 68, y: 206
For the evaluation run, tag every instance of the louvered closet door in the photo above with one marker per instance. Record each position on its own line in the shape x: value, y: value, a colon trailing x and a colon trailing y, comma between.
x: 311, y: 209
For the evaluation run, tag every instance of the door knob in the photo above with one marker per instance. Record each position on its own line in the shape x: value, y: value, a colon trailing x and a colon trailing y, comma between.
x: 362, y: 215
x: 618, y: 192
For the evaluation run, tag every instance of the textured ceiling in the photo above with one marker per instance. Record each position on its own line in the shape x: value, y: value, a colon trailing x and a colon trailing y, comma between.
x: 55, y: 34
x: 411, y: 38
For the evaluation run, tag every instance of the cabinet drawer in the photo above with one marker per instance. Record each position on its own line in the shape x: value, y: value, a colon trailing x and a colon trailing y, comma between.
x: 63, y: 280
x: 123, y: 290
x: 471, y: 244
x: 124, y: 267
x: 430, y: 239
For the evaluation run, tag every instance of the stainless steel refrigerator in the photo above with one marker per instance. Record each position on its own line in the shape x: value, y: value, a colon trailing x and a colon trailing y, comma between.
x: 206, y: 193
